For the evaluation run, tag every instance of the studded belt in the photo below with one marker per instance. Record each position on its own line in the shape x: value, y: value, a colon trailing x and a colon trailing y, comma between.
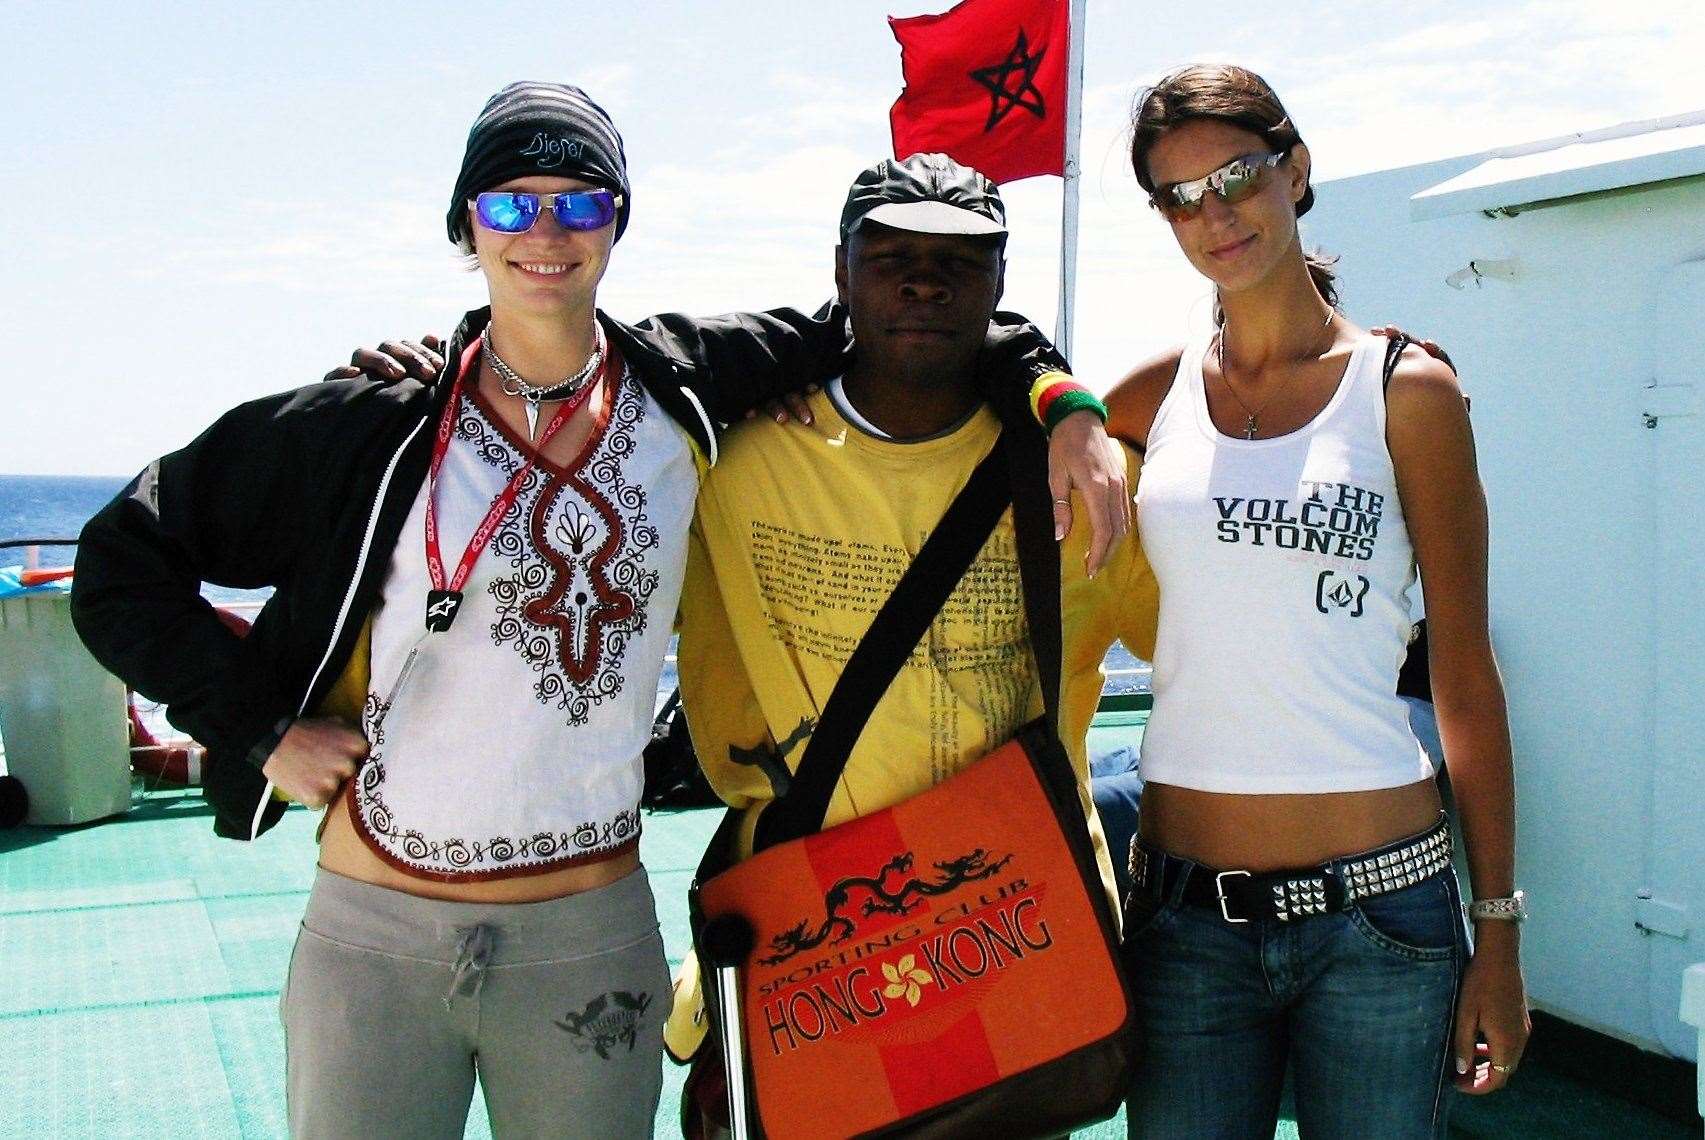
x: 1246, y: 896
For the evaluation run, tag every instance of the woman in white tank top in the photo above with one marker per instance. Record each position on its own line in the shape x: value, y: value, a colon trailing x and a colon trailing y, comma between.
x: 1294, y: 905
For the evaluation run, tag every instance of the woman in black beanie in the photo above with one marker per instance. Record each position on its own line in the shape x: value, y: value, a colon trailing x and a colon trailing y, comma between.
x: 492, y: 825
x: 474, y: 583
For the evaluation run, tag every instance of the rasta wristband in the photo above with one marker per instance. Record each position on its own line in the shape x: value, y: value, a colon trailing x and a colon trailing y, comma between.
x: 1055, y: 395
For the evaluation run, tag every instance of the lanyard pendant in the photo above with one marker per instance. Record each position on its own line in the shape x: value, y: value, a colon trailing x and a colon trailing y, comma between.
x: 441, y: 607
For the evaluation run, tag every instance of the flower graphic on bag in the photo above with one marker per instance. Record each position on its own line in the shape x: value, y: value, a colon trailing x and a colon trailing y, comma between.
x: 905, y: 979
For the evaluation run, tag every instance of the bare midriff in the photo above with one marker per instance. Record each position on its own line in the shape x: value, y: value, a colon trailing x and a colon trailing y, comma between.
x: 343, y: 852
x: 1281, y: 832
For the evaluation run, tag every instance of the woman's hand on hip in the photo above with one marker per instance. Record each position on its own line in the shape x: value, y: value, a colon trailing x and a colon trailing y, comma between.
x: 313, y: 760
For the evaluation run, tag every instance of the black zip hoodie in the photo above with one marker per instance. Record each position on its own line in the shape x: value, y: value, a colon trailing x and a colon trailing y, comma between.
x: 307, y: 492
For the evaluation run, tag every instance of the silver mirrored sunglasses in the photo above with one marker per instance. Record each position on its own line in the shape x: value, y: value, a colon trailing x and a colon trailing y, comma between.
x: 1231, y: 183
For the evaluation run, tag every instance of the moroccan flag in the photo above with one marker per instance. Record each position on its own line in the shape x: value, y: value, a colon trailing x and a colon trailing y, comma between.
x: 986, y: 85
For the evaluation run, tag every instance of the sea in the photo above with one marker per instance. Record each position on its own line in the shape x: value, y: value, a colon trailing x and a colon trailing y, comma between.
x: 44, y: 507
x: 51, y: 506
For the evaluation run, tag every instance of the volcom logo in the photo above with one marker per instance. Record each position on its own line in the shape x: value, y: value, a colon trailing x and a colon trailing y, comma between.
x: 1343, y: 592
x: 552, y: 152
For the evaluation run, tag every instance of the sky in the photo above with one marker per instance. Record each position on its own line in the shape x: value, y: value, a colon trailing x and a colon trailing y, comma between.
x: 205, y: 203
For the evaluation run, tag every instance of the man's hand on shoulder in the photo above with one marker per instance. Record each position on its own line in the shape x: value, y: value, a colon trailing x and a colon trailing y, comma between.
x: 421, y: 359
x: 1082, y: 457
x: 1430, y: 347
x: 794, y: 407
x: 315, y: 757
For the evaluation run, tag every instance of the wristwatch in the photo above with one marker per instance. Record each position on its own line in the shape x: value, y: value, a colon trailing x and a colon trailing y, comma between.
x: 1512, y: 909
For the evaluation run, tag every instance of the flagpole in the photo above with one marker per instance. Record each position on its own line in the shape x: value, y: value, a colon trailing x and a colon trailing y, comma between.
x: 1072, y: 172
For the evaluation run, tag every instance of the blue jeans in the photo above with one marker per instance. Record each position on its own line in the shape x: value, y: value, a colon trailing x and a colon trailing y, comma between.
x: 1357, y: 1004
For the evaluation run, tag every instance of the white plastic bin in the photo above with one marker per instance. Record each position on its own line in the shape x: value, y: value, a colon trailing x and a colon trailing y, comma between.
x: 1693, y: 1013
x: 62, y: 716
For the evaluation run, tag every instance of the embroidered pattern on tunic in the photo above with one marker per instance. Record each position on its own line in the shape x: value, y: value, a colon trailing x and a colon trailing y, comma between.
x: 576, y: 542
x: 496, y: 854
x: 579, y: 592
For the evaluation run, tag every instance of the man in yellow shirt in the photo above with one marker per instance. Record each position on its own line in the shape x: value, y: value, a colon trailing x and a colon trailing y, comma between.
x: 803, y: 530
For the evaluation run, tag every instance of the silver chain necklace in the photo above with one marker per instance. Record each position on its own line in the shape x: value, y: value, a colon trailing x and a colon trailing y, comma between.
x: 1251, y: 417
x: 514, y: 384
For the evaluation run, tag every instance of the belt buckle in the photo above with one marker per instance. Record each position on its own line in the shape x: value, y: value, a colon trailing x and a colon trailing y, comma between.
x: 1219, y: 889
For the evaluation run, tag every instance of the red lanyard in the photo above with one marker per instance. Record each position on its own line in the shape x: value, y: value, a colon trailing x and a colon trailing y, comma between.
x: 445, y: 598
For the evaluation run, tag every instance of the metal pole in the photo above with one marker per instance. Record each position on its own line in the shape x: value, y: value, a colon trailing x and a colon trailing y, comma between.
x: 733, y: 1050
x: 724, y: 944
x: 1069, y: 201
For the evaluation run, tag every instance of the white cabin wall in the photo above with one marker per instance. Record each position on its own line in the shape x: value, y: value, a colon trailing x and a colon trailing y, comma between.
x: 1554, y: 363
x: 1676, y: 460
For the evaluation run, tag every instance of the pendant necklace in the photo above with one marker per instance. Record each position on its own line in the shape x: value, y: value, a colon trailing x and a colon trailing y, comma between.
x: 1252, y: 416
x: 514, y: 384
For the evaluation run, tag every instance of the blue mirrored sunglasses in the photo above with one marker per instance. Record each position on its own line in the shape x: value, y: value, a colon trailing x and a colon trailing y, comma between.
x: 512, y: 212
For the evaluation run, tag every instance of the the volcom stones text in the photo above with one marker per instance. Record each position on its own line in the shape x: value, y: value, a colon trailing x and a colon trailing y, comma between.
x: 1336, y: 519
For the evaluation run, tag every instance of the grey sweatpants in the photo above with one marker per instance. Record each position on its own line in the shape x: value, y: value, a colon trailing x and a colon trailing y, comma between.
x: 393, y: 1002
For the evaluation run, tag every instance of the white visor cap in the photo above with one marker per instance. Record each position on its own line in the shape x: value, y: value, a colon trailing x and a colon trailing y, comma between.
x: 931, y: 218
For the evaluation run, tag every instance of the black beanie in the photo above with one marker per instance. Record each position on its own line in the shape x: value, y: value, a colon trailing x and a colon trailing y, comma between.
x: 540, y: 128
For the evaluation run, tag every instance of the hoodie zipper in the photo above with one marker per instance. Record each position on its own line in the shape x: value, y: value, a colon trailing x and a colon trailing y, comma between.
x: 709, y: 428
x: 348, y: 602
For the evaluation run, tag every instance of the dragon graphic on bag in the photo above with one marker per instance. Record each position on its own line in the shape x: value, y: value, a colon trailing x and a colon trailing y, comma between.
x: 954, y: 873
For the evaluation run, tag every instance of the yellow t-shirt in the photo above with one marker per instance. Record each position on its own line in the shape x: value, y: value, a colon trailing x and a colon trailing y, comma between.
x: 802, y: 533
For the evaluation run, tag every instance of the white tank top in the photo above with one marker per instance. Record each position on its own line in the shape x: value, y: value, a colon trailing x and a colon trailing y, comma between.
x: 1284, y: 567
x: 514, y: 745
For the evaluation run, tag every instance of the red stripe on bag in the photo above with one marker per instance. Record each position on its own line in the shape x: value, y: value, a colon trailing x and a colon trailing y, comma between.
x: 869, y: 843
x: 928, y: 1073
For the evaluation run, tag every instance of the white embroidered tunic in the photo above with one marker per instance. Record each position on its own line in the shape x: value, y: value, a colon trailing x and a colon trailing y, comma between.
x: 514, y: 746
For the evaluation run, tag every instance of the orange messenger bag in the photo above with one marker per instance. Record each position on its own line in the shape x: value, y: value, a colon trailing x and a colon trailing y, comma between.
x: 946, y: 966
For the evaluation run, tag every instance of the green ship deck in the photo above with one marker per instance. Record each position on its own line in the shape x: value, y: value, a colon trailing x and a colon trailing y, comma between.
x: 143, y: 959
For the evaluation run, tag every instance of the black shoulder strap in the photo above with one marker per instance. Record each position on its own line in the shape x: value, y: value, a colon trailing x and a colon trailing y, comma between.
x: 1394, y: 347
x: 1394, y: 350
x: 1038, y: 558
x: 896, y: 630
